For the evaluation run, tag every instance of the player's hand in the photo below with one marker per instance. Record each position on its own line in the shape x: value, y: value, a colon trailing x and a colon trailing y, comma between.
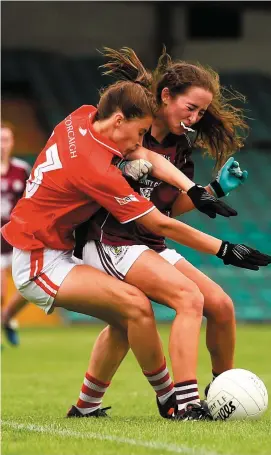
x: 242, y: 256
x: 136, y: 169
x: 208, y: 204
x: 228, y: 178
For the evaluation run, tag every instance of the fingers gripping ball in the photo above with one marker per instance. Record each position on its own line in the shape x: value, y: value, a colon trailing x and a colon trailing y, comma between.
x: 237, y: 395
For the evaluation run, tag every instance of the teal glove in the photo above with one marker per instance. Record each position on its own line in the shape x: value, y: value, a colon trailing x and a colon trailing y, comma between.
x: 228, y: 178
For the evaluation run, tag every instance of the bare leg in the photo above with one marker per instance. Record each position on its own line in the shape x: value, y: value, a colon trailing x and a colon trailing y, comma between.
x: 220, y: 333
x: 16, y: 303
x: 163, y: 283
x: 89, y: 291
x: 4, y: 285
x: 108, y: 352
x: 219, y: 311
x: 10, y: 310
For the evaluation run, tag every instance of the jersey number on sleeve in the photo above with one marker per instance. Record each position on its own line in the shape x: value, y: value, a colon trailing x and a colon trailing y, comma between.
x: 51, y: 164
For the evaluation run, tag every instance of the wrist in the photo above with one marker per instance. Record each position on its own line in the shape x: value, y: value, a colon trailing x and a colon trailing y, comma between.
x: 209, y: 189
x: 217, y: 189
x: 189, y: 185
x: 223, y: 249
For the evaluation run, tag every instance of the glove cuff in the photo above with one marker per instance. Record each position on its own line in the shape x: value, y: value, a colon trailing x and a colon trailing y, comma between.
x: 121, y: 165
x: 194, y: 190
x: 223, y: 249
x: 216, y: 187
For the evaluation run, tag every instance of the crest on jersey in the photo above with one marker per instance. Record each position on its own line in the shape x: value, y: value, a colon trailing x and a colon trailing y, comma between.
x: 82, y: 131
x: 116, y: 250
x: 146, y: 192
x: 119, y: 252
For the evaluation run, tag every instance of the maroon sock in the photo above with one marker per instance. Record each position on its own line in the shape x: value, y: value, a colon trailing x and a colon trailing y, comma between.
x: 186, y: 392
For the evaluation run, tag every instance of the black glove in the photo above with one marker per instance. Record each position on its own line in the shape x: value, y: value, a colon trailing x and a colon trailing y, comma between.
x: 242, y: 256
x: 208, y: 204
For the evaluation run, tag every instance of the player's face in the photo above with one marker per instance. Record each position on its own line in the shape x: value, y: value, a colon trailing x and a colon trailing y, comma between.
x: 128, y: 134
x: 188, y: 108
x: 7, y: 142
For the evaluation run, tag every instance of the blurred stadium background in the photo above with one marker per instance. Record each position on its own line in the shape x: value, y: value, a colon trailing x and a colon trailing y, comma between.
x: 49, y: 68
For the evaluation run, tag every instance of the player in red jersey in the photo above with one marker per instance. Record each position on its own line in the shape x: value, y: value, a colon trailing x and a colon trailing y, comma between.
x: 188, y: 94
x: 14, y: 173
x: 72, y: 177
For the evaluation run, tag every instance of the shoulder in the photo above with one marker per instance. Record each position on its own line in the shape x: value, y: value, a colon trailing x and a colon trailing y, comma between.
x: 82, y: 112
x: 75, y: 120
x: 20, y: 164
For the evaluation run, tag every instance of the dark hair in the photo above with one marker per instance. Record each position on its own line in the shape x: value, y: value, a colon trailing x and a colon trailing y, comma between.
x: 222, y: 130
x: 132, y: 94
x: 8, y: 125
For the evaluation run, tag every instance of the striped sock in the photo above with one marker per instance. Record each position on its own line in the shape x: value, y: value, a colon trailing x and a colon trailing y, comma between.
x: 162, y: 383
x: 186, y: 392
x: 91, y: 394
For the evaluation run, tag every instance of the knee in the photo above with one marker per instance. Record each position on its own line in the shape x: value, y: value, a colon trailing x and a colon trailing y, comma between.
x: 220, y: 308
x: 139, y: 307
x: 188, y: 300
x: 110, y: 332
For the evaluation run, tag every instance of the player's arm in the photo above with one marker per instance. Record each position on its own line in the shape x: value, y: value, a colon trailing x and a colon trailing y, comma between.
x: 110, y: 190
x: 180, y: 232
x: 184, y: 204
x: 162, y: 169
x: 228, y: 178
x: 238, y: 255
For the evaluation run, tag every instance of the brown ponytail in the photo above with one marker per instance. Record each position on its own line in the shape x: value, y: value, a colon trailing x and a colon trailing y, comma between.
x: 132, y: 93
x: 125, y: 65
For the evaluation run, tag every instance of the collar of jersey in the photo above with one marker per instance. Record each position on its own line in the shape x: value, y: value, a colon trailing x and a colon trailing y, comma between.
x: 169, y: 139
x: 103, y: 141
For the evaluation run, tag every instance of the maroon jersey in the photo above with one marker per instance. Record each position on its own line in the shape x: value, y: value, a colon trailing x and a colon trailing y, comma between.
x: 12, y: 188
x: 106, y: 228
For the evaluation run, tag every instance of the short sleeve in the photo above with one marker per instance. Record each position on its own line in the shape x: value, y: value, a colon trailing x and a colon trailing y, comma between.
x: 110, y: 189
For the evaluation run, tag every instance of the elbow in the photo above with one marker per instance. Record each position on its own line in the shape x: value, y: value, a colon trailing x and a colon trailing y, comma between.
x: 161, y: 227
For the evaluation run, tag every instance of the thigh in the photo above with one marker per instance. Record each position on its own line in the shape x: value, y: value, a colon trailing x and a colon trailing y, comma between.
x: 113, y: 260
x: 158, y: 279
x: 210, y: 290
x: 89, y: 291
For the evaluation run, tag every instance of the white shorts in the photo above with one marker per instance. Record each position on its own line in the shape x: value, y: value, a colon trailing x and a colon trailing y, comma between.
x: 38, y: 274
x: 6, y: 260
x: 117, y: 260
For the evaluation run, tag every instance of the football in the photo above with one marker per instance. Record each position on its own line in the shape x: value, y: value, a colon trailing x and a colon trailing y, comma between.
x: 237, y: 394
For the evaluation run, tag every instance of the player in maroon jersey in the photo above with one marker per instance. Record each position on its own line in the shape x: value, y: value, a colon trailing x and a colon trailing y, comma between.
x: 14, y: 173
x: 73, y: 176
x: 140, y: 257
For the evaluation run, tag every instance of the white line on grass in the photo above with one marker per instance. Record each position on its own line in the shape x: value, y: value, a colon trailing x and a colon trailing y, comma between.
x: 171, y: 448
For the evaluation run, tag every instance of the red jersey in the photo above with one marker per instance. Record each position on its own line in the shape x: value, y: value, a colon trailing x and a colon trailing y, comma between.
x: 12, y: 188
x: 106, y: 228
x: 72, y: 178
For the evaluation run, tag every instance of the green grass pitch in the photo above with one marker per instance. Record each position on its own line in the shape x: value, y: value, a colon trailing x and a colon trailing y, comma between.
x: 42, y: 378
